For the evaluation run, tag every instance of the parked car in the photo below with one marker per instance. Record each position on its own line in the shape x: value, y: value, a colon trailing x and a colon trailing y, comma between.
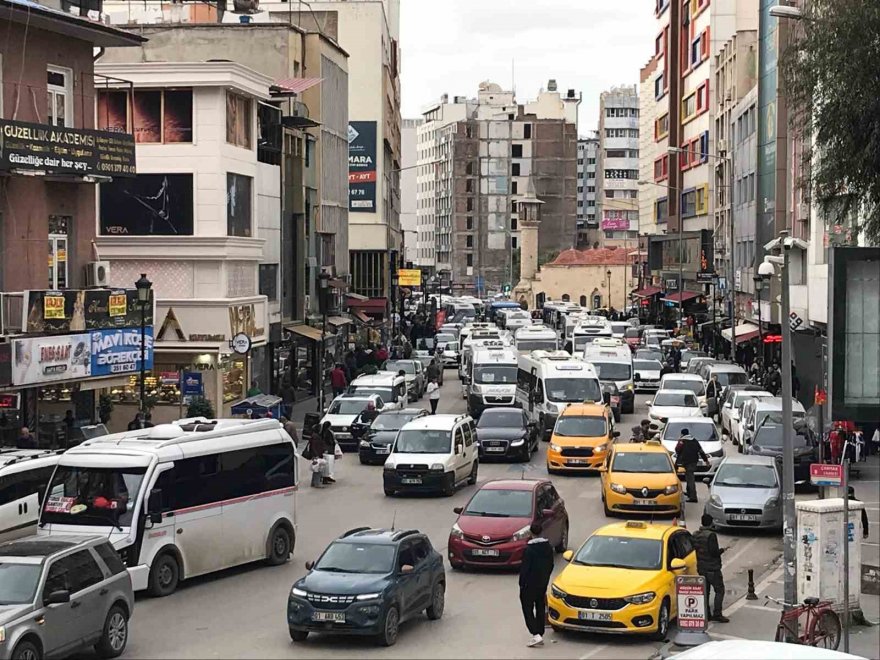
x: 342, y: 413
x: 745, y: 492
x: 492, y: 529
x: 767, y: 441
x: 377, y: 438
x: 673, y: 403
x: 695, y: 364
x: 506, y: 433
x: 732, y: 408
x: 62, y: 594
x: 368, y: 582
x: 689, y: 354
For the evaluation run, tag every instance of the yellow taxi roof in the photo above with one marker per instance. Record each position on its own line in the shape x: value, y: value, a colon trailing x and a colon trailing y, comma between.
x: 593, y: 409
x: 650, y: 446
x: 636, y: 529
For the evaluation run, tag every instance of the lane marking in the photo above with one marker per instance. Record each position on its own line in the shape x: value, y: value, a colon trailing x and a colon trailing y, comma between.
x: 759, y: 588
x: 593, y: 652
x: 762, y: 607
x: 742, y: 550
x: 723, y: 635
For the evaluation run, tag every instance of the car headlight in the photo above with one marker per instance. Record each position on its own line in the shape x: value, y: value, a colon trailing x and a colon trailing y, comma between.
x: 630, y: 386
x: 555, y: 447
x: 640, y: 599
x: 365, y: 444
x: 714, y: 500
x: 389, y: 467
x: 2, y: 634
x: 477, y: 389
x: 299, y: 592
x: 517, y: 442
x: 618, y: 488
x: 772, y: 503
x: 598, y: 449
x: 456, y: 532
x: 557, y: 592
x: 524, y: 533
x: 437, y: 467
x: 368, y: 596
x: 669, y: 490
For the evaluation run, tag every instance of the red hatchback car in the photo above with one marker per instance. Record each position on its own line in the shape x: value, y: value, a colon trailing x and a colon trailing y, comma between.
x: 493, y: 528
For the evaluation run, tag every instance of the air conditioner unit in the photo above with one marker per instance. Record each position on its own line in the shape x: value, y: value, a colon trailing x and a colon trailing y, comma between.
x: 722, y: 146
x: 97, y: 274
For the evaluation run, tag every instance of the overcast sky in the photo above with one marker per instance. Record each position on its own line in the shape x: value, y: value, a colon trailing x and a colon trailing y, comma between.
x: 450, y: 46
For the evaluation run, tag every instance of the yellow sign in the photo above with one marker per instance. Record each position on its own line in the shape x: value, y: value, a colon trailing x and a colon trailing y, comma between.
x: 409, y: 277
x: 53, y: 307
x: 118, y: 304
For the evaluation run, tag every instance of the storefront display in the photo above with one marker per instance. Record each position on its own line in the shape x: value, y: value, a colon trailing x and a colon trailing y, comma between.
x: 235, y: 384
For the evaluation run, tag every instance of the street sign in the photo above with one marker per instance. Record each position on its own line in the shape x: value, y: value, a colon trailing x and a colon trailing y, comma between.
x: 690, y: 592
x: 826, y: 474
x: 409, y: 277
x: 240, y: 343
x: 795, y: 321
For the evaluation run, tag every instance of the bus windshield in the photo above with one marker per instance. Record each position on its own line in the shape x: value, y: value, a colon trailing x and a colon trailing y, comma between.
x: 98, y: 497
x: 573, y: 390
x: 536, y: 345
x: 500, y: 374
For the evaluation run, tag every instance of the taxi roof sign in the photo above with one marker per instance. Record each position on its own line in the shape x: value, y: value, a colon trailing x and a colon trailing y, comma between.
x: 636, y: 524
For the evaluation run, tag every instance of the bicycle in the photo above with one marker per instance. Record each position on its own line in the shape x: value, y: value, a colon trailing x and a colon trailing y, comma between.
x: 821, y: 627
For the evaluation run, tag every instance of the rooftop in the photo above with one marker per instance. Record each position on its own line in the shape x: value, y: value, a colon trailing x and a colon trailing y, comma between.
x: 37, y: 16
x: 609, y: 256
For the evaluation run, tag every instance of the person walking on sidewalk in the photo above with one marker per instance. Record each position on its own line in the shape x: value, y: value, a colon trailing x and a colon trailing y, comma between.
x: 688, y: 452
x: 315, y: 451
x: 433, y: 395
x: 709, y: 566
x: 534, y: 576
x: 329, y: 442
x: 338, y: 380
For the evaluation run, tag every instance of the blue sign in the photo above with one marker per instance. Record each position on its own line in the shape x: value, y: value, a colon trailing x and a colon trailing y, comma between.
x: 118, y: 351
x: 192, y: 384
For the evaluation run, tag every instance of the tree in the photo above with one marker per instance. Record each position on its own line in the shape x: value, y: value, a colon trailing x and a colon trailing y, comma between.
x: 832, y: 83
x: 200, y: 407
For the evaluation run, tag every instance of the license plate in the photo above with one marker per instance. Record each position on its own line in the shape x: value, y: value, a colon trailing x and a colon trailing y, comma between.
x: 334, y: 617
x: 644, y: 502
x: 383, y: 450
x: 588, y: 615
x: 485, y: 553
x: 498, y: 449
x: 414, y: 480
x: 577, y: 461
x: 744, y: 517
x: 343, y: 436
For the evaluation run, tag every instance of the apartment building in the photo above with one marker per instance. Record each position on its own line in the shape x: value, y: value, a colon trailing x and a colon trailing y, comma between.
x: 409, y: 155
x: 617, y: 167
x: 651, y: 141
x: 587, y: 225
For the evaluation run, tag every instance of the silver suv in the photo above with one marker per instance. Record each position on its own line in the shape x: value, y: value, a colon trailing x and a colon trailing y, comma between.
x: 59, y: 594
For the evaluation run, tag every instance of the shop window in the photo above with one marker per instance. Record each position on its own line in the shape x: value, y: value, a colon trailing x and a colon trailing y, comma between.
x: 59, y: 226
x: 238, y: 204
x: 239, y: 120
x: 234, y: 372
x: 59, y: 96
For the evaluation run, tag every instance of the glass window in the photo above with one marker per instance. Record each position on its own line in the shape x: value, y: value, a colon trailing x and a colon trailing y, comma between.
x: 695, y: 386
x: 234, y: 377
x: 350, y: 557
x: 239, y: 120
x: 575, y: 390
x: 110, y: 558
x: 423, y: 442
x: 93, y: 496
x: 700, y: 432
x: 583, y: 426
x: 496, y: 503
x: 238, y: 204
x: 18, y: 582
x: 620, y: 551
x: 651, y: 462
x: 675, y: 399
x: 501, y: 419
x: 612, y: 370
x: 59, y: 92
x: 73, y: 573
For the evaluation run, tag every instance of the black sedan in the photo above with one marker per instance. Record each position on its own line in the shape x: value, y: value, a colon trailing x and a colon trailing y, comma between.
x: 506, y: 433
x: 377, y: 438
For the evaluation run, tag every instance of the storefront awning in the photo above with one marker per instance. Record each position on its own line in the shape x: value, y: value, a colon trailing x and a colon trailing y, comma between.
x: 374, y: 305
x: 646, y: 292
x: 684, y: 296
x: 356, y: 297
x: 744, y: 332
x: 360, y: 316
x: 338, y: 320
x: 306, y: 331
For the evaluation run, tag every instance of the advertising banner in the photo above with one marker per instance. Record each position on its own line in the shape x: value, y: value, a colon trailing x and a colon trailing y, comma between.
x: 148, y: 205
x: 78, y: 310
x: 40, y: 360
x: 362, y: 167
x: 615, y: 224
x: 61, y: 150
x: 690, y: 592
x: 119, y: 351
x: 706, y: 272
x: 409, y: 277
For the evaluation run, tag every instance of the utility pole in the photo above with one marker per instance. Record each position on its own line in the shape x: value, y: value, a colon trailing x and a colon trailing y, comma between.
x: 788, y: 510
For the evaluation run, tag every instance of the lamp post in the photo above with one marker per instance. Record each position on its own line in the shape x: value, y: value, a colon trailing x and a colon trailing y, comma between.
x: 759, y: 286
x: 323, y: 287
x: 608, y: 277
x: 395, y: 281
x: 143, y: 286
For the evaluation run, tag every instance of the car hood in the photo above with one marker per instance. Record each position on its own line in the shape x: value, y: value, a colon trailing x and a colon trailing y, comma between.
x: 675, y: 411
x: 651, y: 480
x: 494, y: 528
x: 603, y: 581
x: 578, y: 440
x: 732, y: 496
x: 381, y: 437
x: 338, y: 420
x: 10, y: 613
x: 343, y: 584
x: 499, y: 433
x: 418, y: 459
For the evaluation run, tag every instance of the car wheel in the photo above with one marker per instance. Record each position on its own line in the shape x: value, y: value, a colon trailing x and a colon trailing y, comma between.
x: 438, y: 602
x: 472, y: 480
x: 26, y: 650
x: 449, y: 486
x: 164, y: 576
x: 389, y: 492
x: 279, y: 547
x: 563, y: 540
x: 617, y: 417
x: 662, y: 622
x: 390, y: 627
x: 608, y: 512
x: 299, y: 635
x: 114, y: 637
x: 362, y: 460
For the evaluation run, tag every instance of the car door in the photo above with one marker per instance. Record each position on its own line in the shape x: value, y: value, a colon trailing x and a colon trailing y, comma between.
x: 679, y: 545
x: 66, y: 625
x: 548, y: 499
x: 408, y: 581
x: 422, y: 552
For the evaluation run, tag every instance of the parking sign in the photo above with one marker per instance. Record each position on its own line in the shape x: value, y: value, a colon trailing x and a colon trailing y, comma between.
x: 690, y: 591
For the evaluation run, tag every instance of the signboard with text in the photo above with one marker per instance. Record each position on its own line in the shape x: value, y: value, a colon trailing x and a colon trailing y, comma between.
x: 62, y: 150
x: 362, y: 167
x: 38, y: 360
x: 78, y: 310
x: 409, y: 277
x: 826, y: 474
x: 690, y: 593
x: 119, y: 351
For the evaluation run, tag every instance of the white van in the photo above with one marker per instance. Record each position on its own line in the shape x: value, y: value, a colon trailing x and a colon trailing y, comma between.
x: 180, y: 500
x: 613, y: 362
x: 491, y: 380
x: 24, y: 475
x: 587, y: 330
x: 547, y: 381
x: 514, y: 319
x: 390, y: 386
x: 535, y: 338
x: 756, y: 412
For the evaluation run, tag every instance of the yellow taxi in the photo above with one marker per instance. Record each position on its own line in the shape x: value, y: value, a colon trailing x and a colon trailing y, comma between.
x: 622, y: 580
x: 639, y: 477
x: 581, y: 438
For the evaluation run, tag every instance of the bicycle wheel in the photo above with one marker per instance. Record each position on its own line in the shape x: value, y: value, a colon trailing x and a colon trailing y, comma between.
x: 787, y: 632
x: 826, y: 631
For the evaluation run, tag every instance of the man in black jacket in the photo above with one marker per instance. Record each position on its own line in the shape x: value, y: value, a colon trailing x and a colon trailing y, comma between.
x: 534, y: 576
x: 688, y: 452
x: 709, y: 566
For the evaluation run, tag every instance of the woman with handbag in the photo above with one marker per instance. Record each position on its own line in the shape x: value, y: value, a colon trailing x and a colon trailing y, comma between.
x: 332, y: 451
x: 314, y: 451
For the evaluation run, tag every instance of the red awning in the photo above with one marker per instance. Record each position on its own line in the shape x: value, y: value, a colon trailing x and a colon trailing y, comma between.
x: 683, y: 296
x: 647, y: 292
x: 360, y: 316
x: 374, y: 305
x: 294, y: 85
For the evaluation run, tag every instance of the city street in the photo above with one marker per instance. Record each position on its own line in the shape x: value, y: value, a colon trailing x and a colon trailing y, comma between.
x: 241, y: 612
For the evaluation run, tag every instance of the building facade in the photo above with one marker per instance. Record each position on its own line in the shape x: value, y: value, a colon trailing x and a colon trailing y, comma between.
x: 587, y: 224
x: 617, y: 168
x: 651, y: 141
x: 409, y: 189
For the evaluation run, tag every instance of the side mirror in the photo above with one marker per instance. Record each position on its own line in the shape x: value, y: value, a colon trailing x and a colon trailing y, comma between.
x: 568, y: 555
x: 680, y: 470
x: 707, y: 480
x: 457, y: 510
x: 602, y: 468
x: 154, y: 505
x: 58, y: 597
x: 637, y: 376
x: 406, y: 568
x: 677, y: 564
x: 649, y: 404
x: 310, y: 565
x: 615, y: 434
x: 457, y: 449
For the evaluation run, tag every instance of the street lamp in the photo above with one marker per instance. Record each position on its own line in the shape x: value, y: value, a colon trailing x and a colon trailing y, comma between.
x: 143, y: 286
x: 323, y: 289
x: 760, y: 280
x: 608, y: 276
x: 395, y: 281
x: 786, y: 11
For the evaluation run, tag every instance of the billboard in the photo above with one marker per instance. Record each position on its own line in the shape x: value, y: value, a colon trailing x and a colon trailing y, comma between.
x: 409, y: 277
x: 362, y: 167
x: 78, y: 310
x: 38, y: 360
x: 615, y: 224
x: 118, y: 351
x: 148, y: 205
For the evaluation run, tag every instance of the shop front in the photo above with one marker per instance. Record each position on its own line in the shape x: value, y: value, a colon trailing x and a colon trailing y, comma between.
x: 300, y: 353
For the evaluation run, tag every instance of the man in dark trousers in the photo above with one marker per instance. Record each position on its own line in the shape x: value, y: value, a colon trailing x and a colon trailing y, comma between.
x: 688, y: 452
x: 534, y: 576
x: 709, y: 566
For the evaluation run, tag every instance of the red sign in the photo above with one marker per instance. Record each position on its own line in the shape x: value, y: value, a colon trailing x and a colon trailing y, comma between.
x: 772, y: 339
x: 690, y: 591
x: 8, y: 401
x: 821, y: 397
x: 826, y: 474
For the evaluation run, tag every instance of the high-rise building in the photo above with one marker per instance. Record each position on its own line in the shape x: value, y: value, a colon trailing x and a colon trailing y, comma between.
x: 651, y: 145
x: 617, y: 167
x: 587, y: 225
x: 409, y: 188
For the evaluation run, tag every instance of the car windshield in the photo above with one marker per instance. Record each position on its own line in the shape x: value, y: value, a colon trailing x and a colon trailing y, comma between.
x: 501, y: 419
x: 495, y: 373
x: 774, y: 417
x: 425, y: 344
x: 496, y: 503
x: 384, y: 393
x: 619, y: 328
x: 443, y: 338
x: 349, y: 557
x: 621, y: 552
x: 573, y: 390
x: 347, y: 407
x: 631, y: 333
x: 18, y: 582
x: 679, y: 399
x: 770, y: 435
x: 612, y: 370
x: 451, y: 346
x: 741, y: 399
x: 648, y: 354
x: 641, y: 461
x: 536, y: 344
x: 406, y: 366
x: 98, y: 497
x: 687, y: 356
x: 390, y: 422
x: 731, y: 378
x: 583, y: 426
x: 701, y: 432
x: 746, y: 476
x: 423, y: 441
x: 646, y: 365
x: 695, y: 386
